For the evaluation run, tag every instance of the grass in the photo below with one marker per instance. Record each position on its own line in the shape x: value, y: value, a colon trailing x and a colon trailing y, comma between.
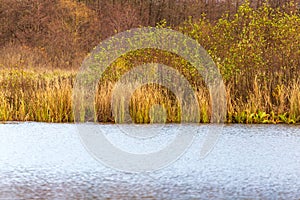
x: 46, y: 96
x: 28, y: 95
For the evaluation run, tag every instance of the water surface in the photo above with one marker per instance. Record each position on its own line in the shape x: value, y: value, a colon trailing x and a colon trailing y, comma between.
x: 39, y: 160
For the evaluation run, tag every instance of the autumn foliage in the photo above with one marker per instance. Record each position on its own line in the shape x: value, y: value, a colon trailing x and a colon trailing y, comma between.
x: 255, y: 45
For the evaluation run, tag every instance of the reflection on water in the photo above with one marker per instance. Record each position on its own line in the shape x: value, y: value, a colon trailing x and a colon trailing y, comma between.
x: 40, y: 160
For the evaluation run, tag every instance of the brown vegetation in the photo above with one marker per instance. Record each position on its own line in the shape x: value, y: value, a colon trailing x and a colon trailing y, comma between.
x: 255, y: 46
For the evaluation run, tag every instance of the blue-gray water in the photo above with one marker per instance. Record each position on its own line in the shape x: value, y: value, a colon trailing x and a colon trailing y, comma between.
x: 48, y: 161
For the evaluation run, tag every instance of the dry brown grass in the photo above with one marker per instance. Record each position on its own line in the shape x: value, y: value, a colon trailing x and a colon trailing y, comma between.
x: 32, y: 95
x: 26, y: 95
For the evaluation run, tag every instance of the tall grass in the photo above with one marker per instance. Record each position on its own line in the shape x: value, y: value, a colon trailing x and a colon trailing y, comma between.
x: 45, y: 96
x: 28, y: 95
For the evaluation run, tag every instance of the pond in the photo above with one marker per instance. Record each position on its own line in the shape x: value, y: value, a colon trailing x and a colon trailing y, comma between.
x: 39, y: 160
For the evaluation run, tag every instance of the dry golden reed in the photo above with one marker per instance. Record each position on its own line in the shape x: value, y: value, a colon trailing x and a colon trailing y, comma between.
x: 46, y: 96
x: 32, y: 96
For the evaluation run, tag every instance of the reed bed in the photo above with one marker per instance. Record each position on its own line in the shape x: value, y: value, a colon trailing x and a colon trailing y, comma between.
x: 28, y: 95
x: 46, y: 96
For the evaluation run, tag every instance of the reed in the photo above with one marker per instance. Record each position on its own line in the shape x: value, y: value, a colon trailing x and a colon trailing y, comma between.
x: 45, y: 96
x: 28, y: 95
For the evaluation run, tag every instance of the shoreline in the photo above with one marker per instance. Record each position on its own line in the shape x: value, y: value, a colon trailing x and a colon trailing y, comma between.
x: 111, y: 123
